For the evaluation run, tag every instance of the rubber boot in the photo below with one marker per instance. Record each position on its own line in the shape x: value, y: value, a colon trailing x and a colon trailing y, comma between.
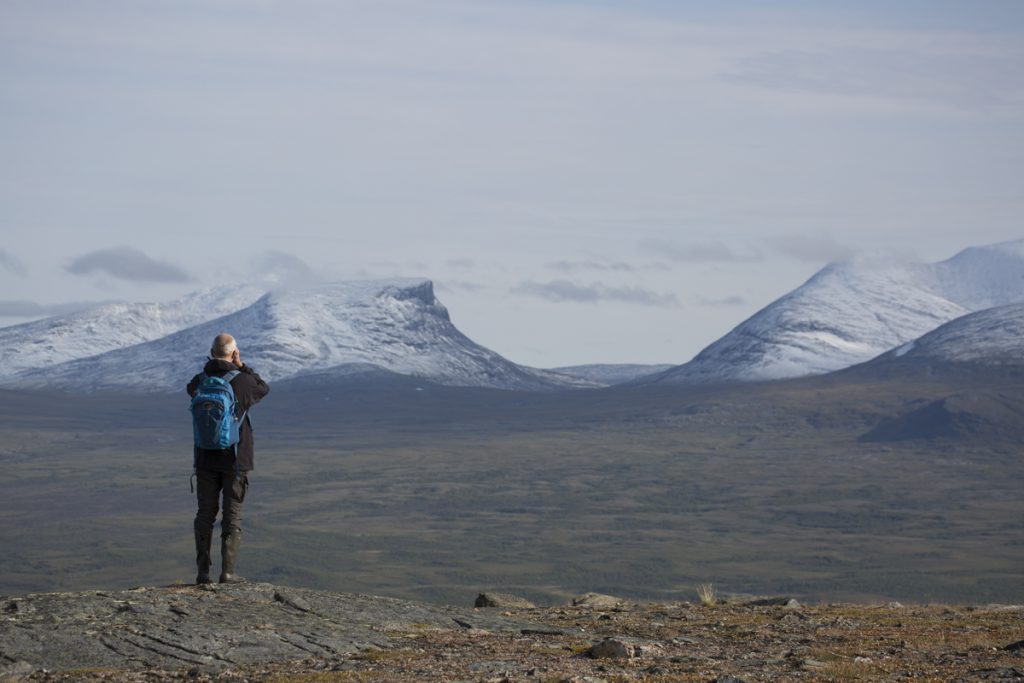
x: 228, y: 555
x: 203, y: 562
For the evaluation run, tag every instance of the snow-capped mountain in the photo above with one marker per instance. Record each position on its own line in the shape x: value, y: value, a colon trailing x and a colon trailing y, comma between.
x: 396, y: 325
x: 63, y: 338
x: 993, y: 337
x: 851, y: 312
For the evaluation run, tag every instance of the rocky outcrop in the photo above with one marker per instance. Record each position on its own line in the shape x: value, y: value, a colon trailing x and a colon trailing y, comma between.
x: 213, y: 627
x: 503, y: 601
x: 596, y: 601
x: 261, y: 632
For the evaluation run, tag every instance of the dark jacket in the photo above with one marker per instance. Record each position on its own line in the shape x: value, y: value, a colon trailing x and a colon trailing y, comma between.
x: 249, y: 389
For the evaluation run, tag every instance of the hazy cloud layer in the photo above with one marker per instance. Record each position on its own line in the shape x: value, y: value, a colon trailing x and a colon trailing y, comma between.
x: 492, y: 139
x: 283, y: 269
x: 31, y: 309
x: 699, y: 252
x: 946, y: 75
x: 565, y: 291
x: 388, y: 268
x: 12, y: 264
x: 605, y: 266
x: 720, y: 303
x: 127, y: 263
x: 810, y: 248
x: 573, y: 266
x: 448, y: 285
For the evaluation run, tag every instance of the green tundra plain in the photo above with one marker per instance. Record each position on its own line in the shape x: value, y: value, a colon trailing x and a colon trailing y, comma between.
x: 408, y: 489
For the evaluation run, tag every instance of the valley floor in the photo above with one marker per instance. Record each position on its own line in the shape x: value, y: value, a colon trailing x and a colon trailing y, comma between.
x: 433, y: 495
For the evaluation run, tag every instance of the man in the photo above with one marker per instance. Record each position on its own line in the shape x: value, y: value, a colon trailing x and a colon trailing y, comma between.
x: 225, y: 472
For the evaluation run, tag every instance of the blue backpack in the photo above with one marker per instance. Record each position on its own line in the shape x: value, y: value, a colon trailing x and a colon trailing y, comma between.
x: 214, y: 423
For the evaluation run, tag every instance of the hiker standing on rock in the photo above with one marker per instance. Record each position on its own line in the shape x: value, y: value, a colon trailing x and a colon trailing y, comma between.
x: 222, y: 395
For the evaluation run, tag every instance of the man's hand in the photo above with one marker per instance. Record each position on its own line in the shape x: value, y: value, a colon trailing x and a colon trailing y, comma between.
x: 236, y: 359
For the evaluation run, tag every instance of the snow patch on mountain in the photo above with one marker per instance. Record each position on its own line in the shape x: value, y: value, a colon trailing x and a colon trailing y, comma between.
x: 904, y: 350
x: 850, y: 312
x: 59, y: 339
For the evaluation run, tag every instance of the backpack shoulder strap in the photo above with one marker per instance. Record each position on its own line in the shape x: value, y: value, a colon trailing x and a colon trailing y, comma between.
x: 230, y: 376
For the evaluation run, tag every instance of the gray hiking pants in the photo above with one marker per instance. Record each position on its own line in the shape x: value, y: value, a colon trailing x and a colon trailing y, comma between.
x: 211, y: 486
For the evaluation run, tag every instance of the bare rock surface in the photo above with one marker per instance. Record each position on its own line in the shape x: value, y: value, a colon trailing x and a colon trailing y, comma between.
x: 212, y: 627
x: 262, y: 632
x: 768, y: 602
x: 597, y: 601
x: 503, y: 601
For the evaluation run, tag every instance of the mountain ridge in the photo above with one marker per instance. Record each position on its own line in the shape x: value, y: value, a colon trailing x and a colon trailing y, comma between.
x: 850, y: 312
x: 62, y: 338
x: 991, y: 337
x: 844, y: 315
x: 397, y: 325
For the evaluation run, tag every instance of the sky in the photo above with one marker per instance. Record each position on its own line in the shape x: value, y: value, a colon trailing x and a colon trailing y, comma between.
x: 585, y: 182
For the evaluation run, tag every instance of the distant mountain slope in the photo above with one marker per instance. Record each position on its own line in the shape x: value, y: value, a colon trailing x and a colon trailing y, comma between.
x: 987, y: 344
x: 983, y: 277
x: 87, y: 333
x: 848, y: 313
x: 993, y: 337
x: 397, y: 325
x: 611, y: 374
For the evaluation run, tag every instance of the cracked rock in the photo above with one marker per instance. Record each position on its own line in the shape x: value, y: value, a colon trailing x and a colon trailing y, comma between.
x: 596, y: 601
x: 293, y: 601
x: 233, y: 625
x: 503, y: 601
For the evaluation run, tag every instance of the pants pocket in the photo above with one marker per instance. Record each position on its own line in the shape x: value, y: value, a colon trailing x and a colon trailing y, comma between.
x: 240, y: 487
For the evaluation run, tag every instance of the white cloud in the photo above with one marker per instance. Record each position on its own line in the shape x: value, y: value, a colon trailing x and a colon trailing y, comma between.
x: 12, y: 264
x: 700, y: 252
x: 810, y: 248
x: 449, y: 285
x: 127, y: 263
x: 561, y: 291
x: 279, y: 268
x: 724, y: 301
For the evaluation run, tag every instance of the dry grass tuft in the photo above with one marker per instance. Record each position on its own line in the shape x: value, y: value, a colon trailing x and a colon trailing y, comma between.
x: 707, y: 594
